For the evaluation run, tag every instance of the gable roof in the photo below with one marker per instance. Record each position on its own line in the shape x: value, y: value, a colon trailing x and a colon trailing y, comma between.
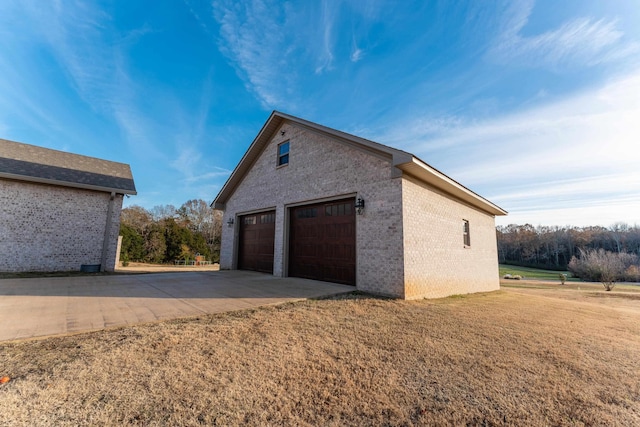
x: 403, y: 161
x: 26, y: 162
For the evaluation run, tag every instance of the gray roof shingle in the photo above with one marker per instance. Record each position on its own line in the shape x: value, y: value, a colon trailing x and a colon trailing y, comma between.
x: 36, y: 164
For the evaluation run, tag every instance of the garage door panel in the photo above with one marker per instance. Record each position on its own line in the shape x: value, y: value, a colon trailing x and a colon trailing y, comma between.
x: 264, y: 266
x: 322, y: 242
x: 339, y: 273
x: 256, y: 242
x: 308, y: 231
x: 339, y: 252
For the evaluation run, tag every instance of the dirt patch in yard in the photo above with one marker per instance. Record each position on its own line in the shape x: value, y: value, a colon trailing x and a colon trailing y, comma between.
x: 514, y: 357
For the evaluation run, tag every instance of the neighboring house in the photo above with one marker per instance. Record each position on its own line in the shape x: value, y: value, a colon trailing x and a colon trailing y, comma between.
x: 59, y: 211
x: 291, y: 209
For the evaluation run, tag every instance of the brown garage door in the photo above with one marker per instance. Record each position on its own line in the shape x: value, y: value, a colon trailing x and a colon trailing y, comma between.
x: 322, y: 243
x: 257, y: 233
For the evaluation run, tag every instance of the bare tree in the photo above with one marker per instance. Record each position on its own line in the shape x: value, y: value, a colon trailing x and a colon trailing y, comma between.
x: 196, y: 214
x: 201, y: 218
x: 603, y: 266
x: 137, y: 217
x: 553, y: 247
x: 619, y: 230
x: 161, y: 212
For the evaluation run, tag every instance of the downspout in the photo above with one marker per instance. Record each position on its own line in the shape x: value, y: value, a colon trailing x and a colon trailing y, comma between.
x: 107, y: 229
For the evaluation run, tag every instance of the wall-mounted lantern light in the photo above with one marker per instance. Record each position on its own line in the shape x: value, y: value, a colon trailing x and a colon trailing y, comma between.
x: 359, y: 206
x: 230, y: 222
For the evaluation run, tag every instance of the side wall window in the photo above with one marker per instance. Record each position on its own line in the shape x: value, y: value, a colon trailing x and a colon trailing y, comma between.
x: 283, y: 154
x: 466, y: 235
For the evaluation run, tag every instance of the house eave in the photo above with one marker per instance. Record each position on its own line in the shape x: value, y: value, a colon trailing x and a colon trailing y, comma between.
x: 417, y: 168
x: 37, y: 180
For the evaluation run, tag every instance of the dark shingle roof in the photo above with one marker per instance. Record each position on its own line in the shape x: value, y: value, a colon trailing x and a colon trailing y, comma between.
x: 36, y: 164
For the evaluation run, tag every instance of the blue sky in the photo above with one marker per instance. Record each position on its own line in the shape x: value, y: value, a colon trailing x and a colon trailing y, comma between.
x: 534, y: 105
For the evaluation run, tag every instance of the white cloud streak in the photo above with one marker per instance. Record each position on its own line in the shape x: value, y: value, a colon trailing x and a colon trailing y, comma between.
x: 93, y: 56
x: 356, y: 54
x: 276, y: 47
x: 252, y: 36
x: 79, y: 38
x: 75, y: 37
x: 326, y: 54
x: 577, y: 153
x: 581, y: 41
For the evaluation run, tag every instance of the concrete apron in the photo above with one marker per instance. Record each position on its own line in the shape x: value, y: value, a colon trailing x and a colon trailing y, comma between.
x: 61, y: 305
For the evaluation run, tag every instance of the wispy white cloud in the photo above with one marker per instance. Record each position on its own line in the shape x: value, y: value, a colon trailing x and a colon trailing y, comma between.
x: 90, y: 54
x: 603, y: 212
x: 188, y: 137
x: 582, y: 41
x: 356, y: 54
x: 19, y: 85
x: 277, y: 48
x: 578, y: 151
x: 199, y: 19
x: 325, y: 59
x: 76, y: 37
x: 412, y: 131
x: 20, y: 99
x: 600, y: 186
x: 186, y: 161
x: 217, y: 173
x: 202, y: 114
x: 252, y: 36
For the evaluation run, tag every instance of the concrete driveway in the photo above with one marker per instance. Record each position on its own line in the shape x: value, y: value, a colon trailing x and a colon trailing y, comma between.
x: 59, y: 305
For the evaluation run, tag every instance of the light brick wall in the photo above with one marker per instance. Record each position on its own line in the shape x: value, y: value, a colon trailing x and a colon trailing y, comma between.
x: 319, y: 168
x: 437, y: 263
x: 114, y: 231
x: 51, y: 228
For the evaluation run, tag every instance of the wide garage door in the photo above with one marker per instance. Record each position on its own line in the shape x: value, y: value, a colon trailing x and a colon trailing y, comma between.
x: 257, y: 233
x: 322, y: 243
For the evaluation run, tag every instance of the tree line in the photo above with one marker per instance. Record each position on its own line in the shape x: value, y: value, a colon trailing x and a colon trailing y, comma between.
x: 554, y: 247
x: 165, y: 233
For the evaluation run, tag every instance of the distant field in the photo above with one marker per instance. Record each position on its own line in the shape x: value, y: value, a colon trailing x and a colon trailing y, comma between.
x: 534, y: 273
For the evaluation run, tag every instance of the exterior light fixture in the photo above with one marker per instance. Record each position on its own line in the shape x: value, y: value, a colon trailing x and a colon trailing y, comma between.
x: 359, y: 206
x: 230, y: 222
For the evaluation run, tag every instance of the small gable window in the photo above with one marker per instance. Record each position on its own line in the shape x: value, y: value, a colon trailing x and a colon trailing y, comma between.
x: 283, y: 154
x: 466, y: 235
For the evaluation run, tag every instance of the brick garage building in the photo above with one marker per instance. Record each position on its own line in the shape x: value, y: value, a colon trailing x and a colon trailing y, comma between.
x: 310, y: 201
x: 59, y: 211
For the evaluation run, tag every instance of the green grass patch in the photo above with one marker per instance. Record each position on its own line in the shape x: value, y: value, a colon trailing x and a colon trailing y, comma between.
x: 534, y: 273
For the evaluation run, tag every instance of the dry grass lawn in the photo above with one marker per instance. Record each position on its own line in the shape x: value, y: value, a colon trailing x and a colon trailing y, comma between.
x: 522, y: 356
